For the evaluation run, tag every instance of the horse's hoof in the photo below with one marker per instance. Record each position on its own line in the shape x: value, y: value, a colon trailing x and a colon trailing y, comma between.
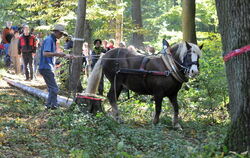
x: 178, y: 127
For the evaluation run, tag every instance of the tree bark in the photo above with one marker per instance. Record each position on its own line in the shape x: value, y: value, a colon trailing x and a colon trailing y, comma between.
x: 188, y: 21
x: 137, y: 39
x: 234, y: 26
x: 77, y: 46
x: 88, y: 33
x: 119, y: 24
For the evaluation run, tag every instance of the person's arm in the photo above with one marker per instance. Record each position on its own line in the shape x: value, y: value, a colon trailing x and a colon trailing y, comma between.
x: 4, y: 33
x: 19, y: 47
x: 34, y: 44
x: 48, y: 50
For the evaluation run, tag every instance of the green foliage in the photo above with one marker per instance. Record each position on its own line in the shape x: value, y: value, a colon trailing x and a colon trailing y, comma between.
x: 208, y: 92
x: 26, y: 130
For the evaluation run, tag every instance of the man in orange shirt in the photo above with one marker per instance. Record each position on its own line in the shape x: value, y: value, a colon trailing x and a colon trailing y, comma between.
x: 6, y: 32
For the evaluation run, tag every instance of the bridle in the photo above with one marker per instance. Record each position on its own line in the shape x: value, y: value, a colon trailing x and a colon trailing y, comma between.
x: 186, y: 65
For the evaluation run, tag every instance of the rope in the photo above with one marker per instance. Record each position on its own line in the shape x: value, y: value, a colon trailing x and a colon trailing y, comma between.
x: 236, y: 52
x: 111, y: 58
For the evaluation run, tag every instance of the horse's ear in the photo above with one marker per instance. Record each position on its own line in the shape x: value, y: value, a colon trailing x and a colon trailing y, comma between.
x: 188, y: 46
x: 165, y: 43
x: 201, y: 46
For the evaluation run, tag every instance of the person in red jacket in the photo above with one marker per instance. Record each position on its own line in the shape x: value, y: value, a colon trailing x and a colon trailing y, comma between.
x: 27, y: 47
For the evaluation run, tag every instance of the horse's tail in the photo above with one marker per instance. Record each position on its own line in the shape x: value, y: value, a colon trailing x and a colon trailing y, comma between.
x: 95, y: 77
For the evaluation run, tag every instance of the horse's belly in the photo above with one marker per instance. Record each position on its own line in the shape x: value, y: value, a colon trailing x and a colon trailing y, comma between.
x: 137, y: 84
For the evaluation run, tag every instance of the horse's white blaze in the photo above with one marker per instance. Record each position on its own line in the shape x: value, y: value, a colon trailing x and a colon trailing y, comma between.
x: 194, y: 68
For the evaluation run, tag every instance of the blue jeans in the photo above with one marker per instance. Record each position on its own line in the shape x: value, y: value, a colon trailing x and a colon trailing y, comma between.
x: 50, y: 81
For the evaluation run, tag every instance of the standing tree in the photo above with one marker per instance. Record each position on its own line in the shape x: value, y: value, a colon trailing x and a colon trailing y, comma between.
x: 119, y: 22
x: 76, y: 66
x: 234, y: 26
x: 188, y: 21
x: 137, y: 39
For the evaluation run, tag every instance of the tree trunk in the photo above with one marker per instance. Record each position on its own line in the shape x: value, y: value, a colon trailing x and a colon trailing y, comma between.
x: 137, y: 39
x: 88, y: 33
x: 234, y: 27
x: 77, y: 46
x: 188, y: 21
x: 119, y: 24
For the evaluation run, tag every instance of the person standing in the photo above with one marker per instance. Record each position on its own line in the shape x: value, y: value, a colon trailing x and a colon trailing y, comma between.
x: 13, y: 52
x: 27, y: 47
x: 111, y: 44
x: 47, y: 63
x: 39, y: 43
x: 7, y: 33
x: 87, y: 59
x: 97, y: 50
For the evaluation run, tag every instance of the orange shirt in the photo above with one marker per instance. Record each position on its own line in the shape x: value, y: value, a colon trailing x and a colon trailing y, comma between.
x: 5, y: 32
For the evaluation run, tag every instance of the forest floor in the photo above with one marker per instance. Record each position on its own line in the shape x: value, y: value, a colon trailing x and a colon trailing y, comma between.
x: 28, y: 130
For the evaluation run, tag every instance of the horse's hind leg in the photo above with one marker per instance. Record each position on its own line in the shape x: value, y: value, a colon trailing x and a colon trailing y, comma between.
x: 158, y: 104
x: 173, y: 100
x: 113, y: 95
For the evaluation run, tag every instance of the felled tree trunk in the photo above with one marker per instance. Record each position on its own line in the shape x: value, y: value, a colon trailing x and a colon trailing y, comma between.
x: 234, y: 27
x: 62, y: 101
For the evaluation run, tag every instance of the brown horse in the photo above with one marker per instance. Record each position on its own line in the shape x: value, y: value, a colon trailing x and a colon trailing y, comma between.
x: 128, y: 69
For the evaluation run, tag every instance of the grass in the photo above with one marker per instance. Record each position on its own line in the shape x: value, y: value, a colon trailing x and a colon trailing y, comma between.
x: 27, y: 130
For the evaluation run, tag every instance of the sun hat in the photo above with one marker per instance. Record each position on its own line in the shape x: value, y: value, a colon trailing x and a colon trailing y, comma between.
x: 60, y: 28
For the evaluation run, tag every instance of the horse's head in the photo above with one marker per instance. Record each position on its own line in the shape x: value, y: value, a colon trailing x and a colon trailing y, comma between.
x: 189, y: 55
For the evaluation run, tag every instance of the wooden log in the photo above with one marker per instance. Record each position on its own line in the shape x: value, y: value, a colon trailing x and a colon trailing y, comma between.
x: 62, y: 101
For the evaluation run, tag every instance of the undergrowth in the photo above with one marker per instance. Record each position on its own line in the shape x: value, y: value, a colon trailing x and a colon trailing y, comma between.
x: 27, y: 130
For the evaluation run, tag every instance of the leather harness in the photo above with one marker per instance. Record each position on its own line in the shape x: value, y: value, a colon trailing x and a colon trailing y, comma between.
x: 167, y: 60
x: 170, y: 64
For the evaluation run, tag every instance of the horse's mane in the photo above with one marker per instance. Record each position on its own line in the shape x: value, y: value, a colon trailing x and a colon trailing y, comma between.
x: 180, y: 50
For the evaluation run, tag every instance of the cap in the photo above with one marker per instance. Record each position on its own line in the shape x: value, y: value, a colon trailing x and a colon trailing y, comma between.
x: 25, y: 25
x: 60, y: 28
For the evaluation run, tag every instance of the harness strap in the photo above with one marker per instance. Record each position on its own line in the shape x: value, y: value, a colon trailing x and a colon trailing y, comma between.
x: 170, y: 64
x: 145, y: 60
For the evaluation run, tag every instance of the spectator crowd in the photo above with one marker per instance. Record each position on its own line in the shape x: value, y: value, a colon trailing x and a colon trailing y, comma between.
x: 27, y: 52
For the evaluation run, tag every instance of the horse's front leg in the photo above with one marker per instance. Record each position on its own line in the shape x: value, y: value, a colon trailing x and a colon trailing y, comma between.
x: 113, y: 96
x: 174, y: 102
x: 158, y: 103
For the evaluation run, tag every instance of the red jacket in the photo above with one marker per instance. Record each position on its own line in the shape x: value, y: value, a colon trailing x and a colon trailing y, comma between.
x: 27, y: 47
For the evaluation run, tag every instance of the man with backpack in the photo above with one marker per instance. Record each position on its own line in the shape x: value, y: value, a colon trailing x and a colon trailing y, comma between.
x: 27, y: 47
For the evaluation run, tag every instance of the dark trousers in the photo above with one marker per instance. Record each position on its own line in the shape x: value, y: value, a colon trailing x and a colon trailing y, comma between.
x: 50, y: 81
x: 28, y: 60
